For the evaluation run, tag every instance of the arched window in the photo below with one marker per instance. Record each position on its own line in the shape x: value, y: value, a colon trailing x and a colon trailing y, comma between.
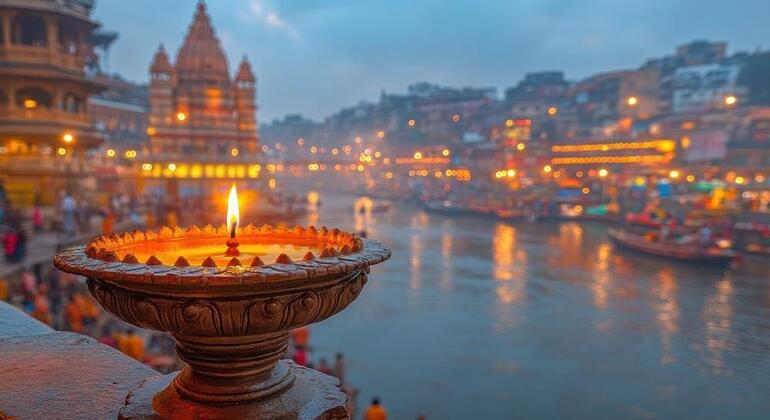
x: 68, y: 38
x: 71, y: 103
x: 33, y: 97
x: 29, y: 30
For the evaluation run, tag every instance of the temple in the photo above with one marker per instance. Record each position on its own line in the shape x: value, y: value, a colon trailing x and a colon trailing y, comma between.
x: 196, y: 108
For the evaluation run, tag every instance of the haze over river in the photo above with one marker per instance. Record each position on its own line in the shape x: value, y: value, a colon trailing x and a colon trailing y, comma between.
x: 473, y: 318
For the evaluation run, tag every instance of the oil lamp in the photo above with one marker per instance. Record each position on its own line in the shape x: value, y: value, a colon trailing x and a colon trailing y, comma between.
x: 229, y: 296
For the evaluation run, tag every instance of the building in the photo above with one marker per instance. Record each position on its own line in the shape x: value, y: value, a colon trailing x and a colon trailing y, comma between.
x: 705, y: 87
x: 609, y: 103
x: 120, y: 114
x: 196, y: 107
x: 45, y: 126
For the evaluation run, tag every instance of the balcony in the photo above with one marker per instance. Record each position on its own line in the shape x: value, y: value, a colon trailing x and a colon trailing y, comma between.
x: 42, y: 56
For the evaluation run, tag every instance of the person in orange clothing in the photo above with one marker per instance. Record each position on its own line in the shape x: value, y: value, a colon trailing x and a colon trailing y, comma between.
x: 376, y: 411
x: 301, y: 336
x: 108, y: 221
x: 134, y: 346
x: 74, y: 315
x: 42, y: 310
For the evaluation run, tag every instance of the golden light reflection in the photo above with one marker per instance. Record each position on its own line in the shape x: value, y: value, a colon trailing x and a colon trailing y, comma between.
x: 666, y: 309
x: 510, y: 268
x: 717, y: 319
x: 601, y: 276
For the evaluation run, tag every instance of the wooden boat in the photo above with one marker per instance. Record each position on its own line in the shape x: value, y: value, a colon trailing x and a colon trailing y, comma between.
x: 682, y: 252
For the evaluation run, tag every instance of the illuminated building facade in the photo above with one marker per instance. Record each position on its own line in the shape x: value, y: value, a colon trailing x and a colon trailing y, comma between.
x: 196, y: 108
x: 45, y: 127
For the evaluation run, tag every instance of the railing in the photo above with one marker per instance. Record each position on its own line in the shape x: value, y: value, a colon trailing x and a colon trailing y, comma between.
x: 42, y: 114
x: 41, y: 55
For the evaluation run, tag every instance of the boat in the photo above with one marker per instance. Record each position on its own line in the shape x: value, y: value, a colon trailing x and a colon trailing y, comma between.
x: 684, y: 252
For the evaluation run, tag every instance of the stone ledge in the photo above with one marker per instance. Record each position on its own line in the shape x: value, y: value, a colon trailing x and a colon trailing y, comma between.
x: 47, y: 374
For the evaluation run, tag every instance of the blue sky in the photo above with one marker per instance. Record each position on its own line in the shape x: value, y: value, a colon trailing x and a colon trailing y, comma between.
x: 315, y: 56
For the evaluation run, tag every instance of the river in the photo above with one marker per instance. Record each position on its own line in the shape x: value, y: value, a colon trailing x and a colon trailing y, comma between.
x: 475, y: 318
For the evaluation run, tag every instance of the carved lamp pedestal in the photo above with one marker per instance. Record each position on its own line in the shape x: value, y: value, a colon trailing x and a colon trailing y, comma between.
x: 231, y: 323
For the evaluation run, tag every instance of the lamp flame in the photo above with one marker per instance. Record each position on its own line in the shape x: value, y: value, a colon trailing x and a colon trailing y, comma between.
x: 233, y: 214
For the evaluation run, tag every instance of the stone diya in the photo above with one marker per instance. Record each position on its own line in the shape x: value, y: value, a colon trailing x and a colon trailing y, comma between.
x: 230, y: 315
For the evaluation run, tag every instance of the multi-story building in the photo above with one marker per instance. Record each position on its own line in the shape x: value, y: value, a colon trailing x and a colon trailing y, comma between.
x: 120, y: 113
x: 608, y: 103
x: 705, y: 87
x: 45, y: 126
x: 196, y: 108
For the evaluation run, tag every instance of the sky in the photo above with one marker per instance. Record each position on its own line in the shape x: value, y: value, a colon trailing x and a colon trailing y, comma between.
x: 316, y: 56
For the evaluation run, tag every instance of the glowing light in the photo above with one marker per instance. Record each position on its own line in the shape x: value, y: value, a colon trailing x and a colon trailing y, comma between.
x: 608, y: 159
x: 553, y: 110
x: 445, y: 152
x: 386, y: 161
x: 380, y: 134
x: 129, y: 154
x: 759, y: 178
x: 313, y: 167
x: 438, y: 174
x: 360, y: 168
x: 685, y: 140
x: 521, y: 146
x: 172, y: 167
x: 61, y: 151
x: 411, y: 123
x: 632, y: 100
x: 234, y: 151
x: 233, y: 213
x: 511, y: 173
x: 547, y: 169
x: 603, y: 172
x: 456, y: 118
x: 674, y: 174
x: 730, y: 100
x: 740, y: 180
x: 586, y: 190
x: 181, y: 116
x: 271, y: 183
x: 151, y: 131
x: 358, y: 139
x: 68, y: 137
x: 335, y: 151
x: 147, y: 167
x: 301, y: 141
x: 377, y: 154
x: 110, y: 153
x: 30, y: 103
x: 663, y: 145
x: 690, y: 178
x: 509, y: 123
x: 579, y: 174
x: 417, y: 155
x: 313, y: 149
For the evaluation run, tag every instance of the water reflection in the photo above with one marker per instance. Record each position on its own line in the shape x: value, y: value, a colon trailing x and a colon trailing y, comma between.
x: 559, y: 303
x: 666, y: 307
x: 717, y: 322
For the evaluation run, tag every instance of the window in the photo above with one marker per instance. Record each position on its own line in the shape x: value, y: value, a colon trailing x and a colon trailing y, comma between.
x: 29, y: 30
x: 33, y: 97
x: 71, y: 103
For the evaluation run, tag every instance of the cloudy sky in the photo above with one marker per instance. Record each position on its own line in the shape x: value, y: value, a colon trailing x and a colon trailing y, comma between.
x: 315, y: 56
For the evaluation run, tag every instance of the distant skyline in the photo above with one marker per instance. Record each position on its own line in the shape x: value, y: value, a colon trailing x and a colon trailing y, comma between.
x: 314, y: 57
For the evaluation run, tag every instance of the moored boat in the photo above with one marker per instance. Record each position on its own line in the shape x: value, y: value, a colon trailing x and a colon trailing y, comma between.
x: 691, y: 252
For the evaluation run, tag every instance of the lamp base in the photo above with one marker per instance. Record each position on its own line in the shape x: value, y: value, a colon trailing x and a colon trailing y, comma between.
x: 313, y: 395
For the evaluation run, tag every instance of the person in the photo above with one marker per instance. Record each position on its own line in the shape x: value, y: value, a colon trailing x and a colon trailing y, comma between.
x: 74, y: 314
x: 134, y: 345
x: 339, y: 367
x: 324, y: 367
x: 10, y: 243
x: 107, y: 338
x: 376, y: 411
x: 42, y: 311
x: 108, y: 221
x: 3, y: 289
x: 37, y: 218
x: 68, y: 213
x: 300, y: 356
x: 301, y: 336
